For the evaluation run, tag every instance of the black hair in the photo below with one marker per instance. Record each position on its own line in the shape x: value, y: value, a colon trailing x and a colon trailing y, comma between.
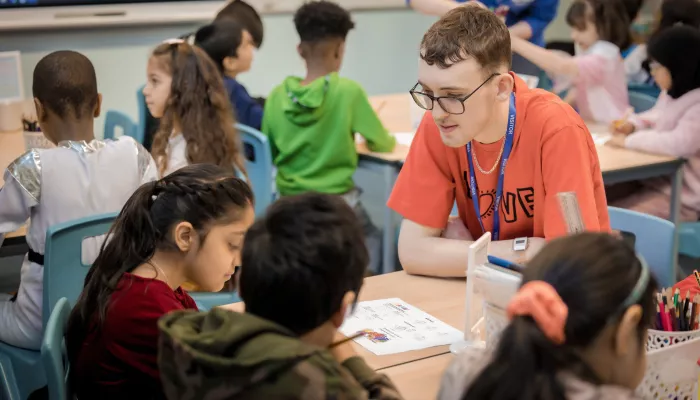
x: 243, y: 13
x: 65, y: 83
x: 317, y: 21
x: 632, y: 8
x: 609, y: 16
x: 220, y: 40
x: 594, y: 273
x: 685, y: 12
x: 201, y: 194
x: 672, y: 48
x: 300, y: 260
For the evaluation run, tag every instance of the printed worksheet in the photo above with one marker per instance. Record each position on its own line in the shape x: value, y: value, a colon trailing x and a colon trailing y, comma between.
x: 393, y: 326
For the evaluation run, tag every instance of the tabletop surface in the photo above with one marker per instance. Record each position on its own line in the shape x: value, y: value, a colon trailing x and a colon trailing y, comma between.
x: 441, y: 298
x: 419, y: 380
x: 395, y: 112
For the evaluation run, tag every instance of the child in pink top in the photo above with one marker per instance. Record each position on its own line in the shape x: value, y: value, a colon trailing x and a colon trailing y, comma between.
x: 597, y: 73
x: 672, y: 126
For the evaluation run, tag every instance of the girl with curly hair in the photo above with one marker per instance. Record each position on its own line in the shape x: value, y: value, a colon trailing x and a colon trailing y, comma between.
x: 185, y: 90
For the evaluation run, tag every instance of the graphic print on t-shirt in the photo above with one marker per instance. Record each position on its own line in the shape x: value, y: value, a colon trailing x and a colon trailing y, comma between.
x: 523, y: 199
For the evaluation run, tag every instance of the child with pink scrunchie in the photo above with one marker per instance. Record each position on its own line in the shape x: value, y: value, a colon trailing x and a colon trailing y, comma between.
x: 577, y: 331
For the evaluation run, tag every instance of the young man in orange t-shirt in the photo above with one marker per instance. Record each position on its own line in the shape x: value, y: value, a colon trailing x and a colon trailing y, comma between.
x: 489, y: 137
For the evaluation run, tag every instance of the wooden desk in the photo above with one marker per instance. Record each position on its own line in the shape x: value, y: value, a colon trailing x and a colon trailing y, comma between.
x: 419, y: 380
x: 441, y: 298
x: 11, y: 147
x: 617, y: 165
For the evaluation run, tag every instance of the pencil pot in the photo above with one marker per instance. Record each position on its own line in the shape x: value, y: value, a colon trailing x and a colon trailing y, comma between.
x: 495, y: 320
x: 671, y: 364
x: 36, y: 140
x: 662, y: 339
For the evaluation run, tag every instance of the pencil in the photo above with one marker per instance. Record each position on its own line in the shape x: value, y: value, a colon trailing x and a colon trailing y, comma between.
x: 693, y: 310
x: 347, y: 339
x: 623, y: 120
x: 697, y: 276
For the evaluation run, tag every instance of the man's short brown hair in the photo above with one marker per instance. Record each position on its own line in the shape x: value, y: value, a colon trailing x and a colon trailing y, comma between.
x: 467, y: 32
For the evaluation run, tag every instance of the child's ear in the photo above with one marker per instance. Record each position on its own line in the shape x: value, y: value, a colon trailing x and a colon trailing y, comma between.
x: 40, y: 110
x: 627, y: 329
x: 300, y: 51
x: 338, y: 318
x: 184, y: 236
x: 98, y: 106
x: 505, y: 85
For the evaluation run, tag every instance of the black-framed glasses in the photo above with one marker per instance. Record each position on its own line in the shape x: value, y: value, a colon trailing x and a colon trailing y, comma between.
x: 450, y: 104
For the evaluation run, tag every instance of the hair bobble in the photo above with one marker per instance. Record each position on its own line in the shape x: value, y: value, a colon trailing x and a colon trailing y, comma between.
x: 539, y: 300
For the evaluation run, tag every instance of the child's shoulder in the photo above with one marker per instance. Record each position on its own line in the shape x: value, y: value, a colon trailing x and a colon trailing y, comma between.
x: 605, y: 49
x: 26, y: 170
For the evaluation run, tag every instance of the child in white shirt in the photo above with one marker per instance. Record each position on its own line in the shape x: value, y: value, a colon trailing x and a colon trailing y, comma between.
x: 79, y: 178
x: 186, y: 91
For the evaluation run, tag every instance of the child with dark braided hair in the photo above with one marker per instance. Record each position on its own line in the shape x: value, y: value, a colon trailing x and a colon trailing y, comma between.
x: 188, y: 226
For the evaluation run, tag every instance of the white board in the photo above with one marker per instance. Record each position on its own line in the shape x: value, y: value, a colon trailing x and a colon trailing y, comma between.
x: 180, y: 12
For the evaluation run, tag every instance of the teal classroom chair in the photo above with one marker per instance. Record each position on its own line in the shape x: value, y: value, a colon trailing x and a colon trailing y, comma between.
x: 64, y: 276
x: 259, y: 166
x: 641, y: 102
x: 643, y: 88
x: 115, y: 119
x: 654, y: 240
x: 53, y: 352
x: 689, y: 239
x: 207, y: 301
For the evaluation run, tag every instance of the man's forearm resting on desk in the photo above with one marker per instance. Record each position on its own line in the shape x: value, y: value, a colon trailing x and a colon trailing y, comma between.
x: 423, y: 251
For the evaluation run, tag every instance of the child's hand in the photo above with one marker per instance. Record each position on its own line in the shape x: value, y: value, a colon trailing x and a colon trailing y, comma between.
x: 343, y: 351
x: 616, y: 140
x: 456, y: 230
x: 474, y: 3
x: 622, y: 127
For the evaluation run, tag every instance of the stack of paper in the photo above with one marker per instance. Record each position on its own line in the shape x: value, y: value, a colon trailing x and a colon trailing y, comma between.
x: 394, y: 326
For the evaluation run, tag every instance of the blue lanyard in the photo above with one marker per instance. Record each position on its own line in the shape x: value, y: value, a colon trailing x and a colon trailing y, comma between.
x: 507, y: 147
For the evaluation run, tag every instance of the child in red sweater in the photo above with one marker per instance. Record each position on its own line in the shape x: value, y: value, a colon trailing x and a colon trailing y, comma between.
x: 188, y: 226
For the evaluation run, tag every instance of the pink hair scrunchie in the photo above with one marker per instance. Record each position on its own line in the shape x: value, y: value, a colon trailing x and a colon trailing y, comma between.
x: 539, y: 300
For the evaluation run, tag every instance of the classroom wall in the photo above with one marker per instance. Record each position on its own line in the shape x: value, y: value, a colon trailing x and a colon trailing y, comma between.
x: 381, y: 53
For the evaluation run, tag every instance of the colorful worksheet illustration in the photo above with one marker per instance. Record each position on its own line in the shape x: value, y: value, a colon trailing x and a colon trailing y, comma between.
x: 393, y: 326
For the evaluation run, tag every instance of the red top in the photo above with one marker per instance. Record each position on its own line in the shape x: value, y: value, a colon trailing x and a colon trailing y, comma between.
x: 120, y: 361
x: 553, y: 152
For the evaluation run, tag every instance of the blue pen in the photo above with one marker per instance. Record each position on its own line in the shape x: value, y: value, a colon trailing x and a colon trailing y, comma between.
x: 505, y: 264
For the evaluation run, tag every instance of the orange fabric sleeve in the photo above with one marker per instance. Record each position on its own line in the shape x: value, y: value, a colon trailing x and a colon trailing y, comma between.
x: 570, y: 164
x: 424, y: 190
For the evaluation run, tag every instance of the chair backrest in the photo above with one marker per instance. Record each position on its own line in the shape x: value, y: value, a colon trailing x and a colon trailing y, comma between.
x: 114, y: 119
x: 641, y: 102
x: 53, y: 352
x: 644, y: 88
x: 64, y: 271
x: 259, y: 166
x: 654, y: 240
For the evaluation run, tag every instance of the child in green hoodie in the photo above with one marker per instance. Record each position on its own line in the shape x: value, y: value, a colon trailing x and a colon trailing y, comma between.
x: 311, y: 121
x: 303, y: 266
